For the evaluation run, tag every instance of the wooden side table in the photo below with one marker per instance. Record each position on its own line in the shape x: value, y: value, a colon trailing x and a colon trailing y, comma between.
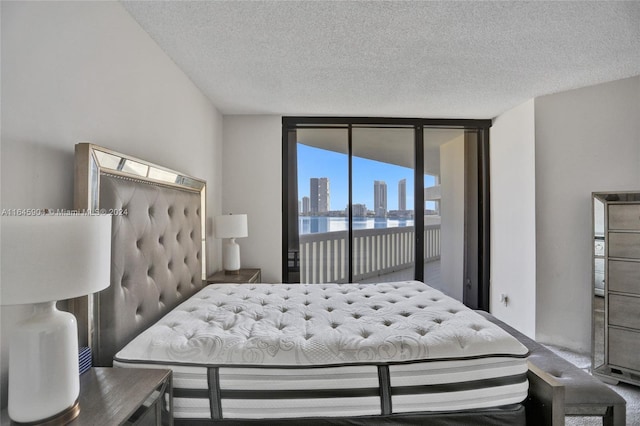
x: 123, y: 396
x: 245, y: 276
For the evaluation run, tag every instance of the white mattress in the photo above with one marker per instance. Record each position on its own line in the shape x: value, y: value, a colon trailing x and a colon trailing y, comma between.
x: 292, y: 350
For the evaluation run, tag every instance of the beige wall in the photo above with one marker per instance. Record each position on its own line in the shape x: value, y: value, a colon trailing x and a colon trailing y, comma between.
x: 586, y: 140
x: 86, y: 71
x: 513, y: 226
x: 252, y: 170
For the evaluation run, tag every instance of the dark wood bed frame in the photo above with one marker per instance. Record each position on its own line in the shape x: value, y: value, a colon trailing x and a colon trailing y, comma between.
x: 163, y: 228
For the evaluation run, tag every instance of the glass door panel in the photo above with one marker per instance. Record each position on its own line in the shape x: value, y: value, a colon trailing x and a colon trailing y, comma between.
x: 323, y: 189
x: 383, y: 204
x: 444, y: 210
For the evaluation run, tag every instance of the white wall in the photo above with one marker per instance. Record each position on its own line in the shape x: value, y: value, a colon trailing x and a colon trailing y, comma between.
x: 452, y: 217
x: 586, y: 140
x: 85, y: 71
x: 252, y: 170
x: 513, y: 226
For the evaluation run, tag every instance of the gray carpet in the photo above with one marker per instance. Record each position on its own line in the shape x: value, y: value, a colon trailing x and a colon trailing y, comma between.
x: 629, y: 392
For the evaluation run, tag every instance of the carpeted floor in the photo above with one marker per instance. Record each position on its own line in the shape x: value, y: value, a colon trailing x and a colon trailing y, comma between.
x: 629, y: 392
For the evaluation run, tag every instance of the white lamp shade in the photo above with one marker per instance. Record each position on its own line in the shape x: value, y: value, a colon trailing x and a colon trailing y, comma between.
x: 231, y: 226
x: 54, y: 257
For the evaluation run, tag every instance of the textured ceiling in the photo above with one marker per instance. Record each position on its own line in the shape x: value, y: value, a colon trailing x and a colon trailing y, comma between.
x: 410, y: 59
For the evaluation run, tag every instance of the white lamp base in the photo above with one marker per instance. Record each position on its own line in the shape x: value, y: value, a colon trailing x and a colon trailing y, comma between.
x: 231, y: 257
x: 44, y: 382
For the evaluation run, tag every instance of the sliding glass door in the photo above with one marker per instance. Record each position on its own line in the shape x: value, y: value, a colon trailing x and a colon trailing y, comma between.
x: 382, y: 185
x: 376, y: 200
x: 322, y: 213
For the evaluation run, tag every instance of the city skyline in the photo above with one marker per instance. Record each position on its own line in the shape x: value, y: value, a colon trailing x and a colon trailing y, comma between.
x: 319, y: 202
x: 314, y: 162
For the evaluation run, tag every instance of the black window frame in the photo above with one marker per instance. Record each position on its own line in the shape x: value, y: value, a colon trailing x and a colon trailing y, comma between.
x: 481, y: 247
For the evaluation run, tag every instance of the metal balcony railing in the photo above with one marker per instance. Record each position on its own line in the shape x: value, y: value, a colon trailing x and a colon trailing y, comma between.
x: 323, y: 256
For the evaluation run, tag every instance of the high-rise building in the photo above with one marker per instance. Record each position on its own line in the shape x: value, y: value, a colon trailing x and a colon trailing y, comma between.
x: 380, y: 198
x: 359, y: 210
x: 319, y: 195
x: 402, y: 195
x: 306, y: 206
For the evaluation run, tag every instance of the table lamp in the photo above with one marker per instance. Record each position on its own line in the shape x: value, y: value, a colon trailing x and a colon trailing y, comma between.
x: 48, y: 258
x: 231, y: 226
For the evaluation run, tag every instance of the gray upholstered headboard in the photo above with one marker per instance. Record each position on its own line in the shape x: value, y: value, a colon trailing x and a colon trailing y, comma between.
x: 158, y: 243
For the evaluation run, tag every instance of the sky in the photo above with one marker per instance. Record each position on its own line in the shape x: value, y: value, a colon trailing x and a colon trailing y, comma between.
x: 316, y: 163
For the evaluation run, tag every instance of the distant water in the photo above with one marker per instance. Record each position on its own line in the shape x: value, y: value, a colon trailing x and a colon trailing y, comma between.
x: 320, y: 224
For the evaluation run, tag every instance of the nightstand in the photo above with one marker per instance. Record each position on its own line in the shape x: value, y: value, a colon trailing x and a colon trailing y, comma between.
x: 245, y: 276
x: 123, y: 396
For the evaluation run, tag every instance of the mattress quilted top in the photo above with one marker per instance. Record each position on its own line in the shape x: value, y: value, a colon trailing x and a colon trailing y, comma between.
x: 319, y: 324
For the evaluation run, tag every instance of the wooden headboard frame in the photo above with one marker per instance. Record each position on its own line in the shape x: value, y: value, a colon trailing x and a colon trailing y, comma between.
x: 157, y: 246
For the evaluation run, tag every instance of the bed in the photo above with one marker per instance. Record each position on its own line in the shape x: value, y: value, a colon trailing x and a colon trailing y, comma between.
x: 390, y: 353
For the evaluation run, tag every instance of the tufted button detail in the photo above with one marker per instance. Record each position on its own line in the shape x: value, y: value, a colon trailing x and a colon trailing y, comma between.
x: 334, y: 325
x: 307, y: 317
x: 356, y: 316
x: 365, y: 334
x: 139, y: 244
x: 405, y: 314
x: 387, y: 323
x: 438, y: 321
x: 308, y: 336
x: 422, y: 331
x: 170, y: 211
x: 330, y: 309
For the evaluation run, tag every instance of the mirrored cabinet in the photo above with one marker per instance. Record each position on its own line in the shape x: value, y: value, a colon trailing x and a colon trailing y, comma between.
x: 616, y: 286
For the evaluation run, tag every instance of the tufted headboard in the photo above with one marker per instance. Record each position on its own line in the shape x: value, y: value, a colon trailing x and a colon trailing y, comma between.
x: 157, y: 248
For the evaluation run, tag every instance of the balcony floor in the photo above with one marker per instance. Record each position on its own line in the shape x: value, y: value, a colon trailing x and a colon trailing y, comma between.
x: 432, y: 275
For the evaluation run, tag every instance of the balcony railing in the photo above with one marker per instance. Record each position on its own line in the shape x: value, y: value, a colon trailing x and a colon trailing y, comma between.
x: 323, y: 257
